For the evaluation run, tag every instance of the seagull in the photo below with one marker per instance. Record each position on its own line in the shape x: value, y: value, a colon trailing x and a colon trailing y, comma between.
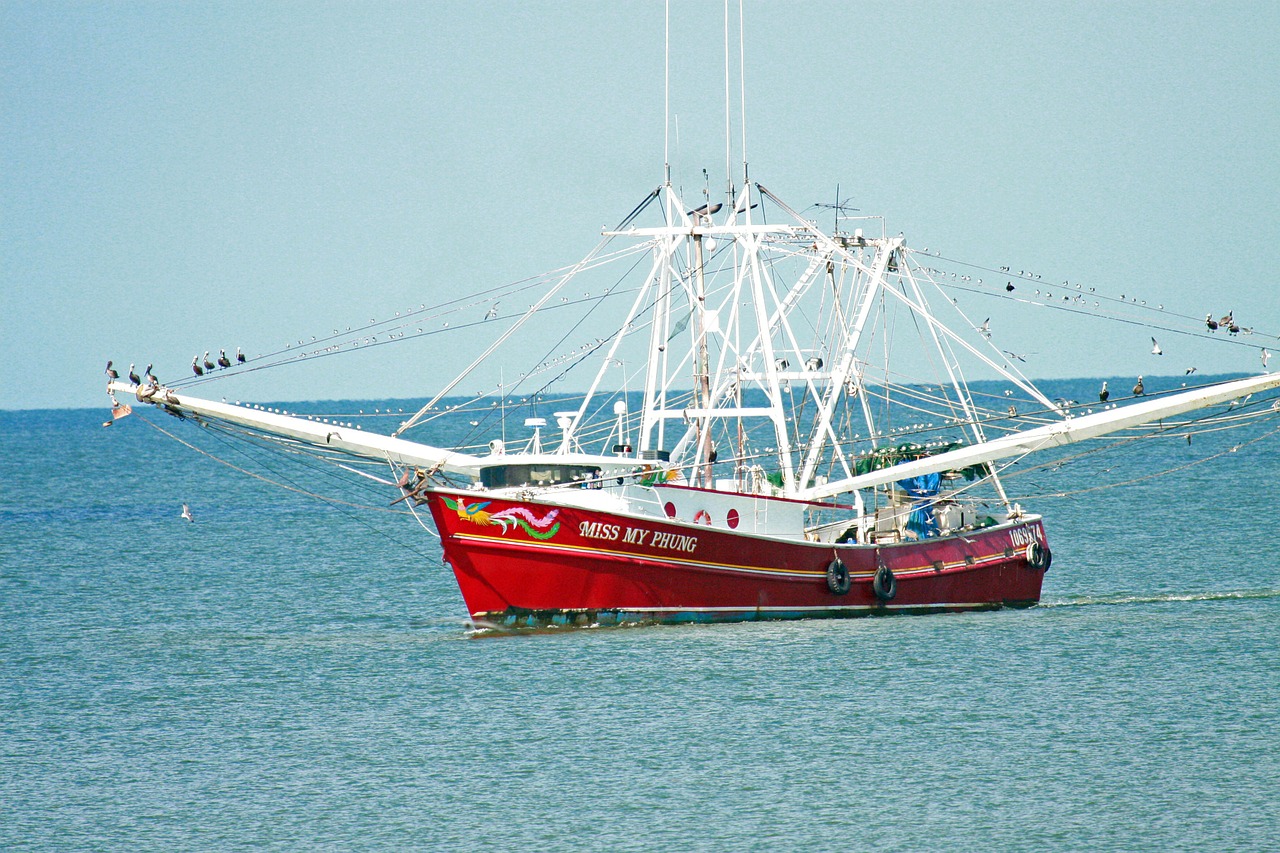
x: 1022, y: 358
x: 195, y: 366
x: 133, y: 376
x: 985, y: 328
x: 208, y: 365
x: 1138, y: 389
x: 493, y: 312
x: 239, y: 356
x: 223, y: 361
x: 1190, y: 370
x: 1155, y: 348
x: 1266, y: 356
x: 1104, y: 393
x: 111, y: 372
x: 186, y: 513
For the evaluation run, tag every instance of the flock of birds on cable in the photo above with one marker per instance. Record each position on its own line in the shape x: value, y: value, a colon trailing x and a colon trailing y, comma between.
x: 198, y: 368
x: 1226, y: 322
x: 209, y: 366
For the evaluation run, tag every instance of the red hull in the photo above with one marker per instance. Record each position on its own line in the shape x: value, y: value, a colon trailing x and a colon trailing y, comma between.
x: 525, y: 562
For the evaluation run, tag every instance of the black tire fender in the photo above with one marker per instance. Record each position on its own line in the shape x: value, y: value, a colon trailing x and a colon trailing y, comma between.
x: 884, y: 584
x: 1039, y: 557
x: 838, y: 580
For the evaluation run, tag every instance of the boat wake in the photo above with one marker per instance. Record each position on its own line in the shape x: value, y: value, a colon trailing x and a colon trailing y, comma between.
x: 1124, y: 599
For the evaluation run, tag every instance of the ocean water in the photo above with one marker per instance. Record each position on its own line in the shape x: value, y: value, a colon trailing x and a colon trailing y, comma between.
x: 286, y: 673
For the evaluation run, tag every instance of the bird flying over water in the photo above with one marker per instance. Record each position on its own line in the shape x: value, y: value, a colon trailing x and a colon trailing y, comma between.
x: 985, y: 328
x: 1266, y: 356
x: 186, y: 513
x: 1155, y: 348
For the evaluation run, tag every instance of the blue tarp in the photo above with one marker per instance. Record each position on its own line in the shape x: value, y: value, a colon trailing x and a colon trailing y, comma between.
x: 921, y: 490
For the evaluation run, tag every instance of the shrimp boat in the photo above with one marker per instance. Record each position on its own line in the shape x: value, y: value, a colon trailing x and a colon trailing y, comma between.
x: 772, y: 423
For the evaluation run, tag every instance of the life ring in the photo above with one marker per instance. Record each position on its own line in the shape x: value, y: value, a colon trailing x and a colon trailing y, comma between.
x: 1039, y: 557
x: 884, y: 583
x: 702, y: 517
x: 838, y: 577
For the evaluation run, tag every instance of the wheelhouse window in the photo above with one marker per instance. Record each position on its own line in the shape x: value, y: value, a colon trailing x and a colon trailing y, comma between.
x: 504, y: 476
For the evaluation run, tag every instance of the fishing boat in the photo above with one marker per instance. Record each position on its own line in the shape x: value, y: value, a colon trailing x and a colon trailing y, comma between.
x: 746, y: 439
x: 724, y: 411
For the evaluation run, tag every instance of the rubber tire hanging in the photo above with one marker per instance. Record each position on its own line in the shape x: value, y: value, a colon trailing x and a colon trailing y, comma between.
x: 838, y: 580
x: 884, y: 584
x: 1039, y: 557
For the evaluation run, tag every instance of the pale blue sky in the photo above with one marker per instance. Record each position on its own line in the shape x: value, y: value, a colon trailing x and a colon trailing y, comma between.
x: 178, y: 177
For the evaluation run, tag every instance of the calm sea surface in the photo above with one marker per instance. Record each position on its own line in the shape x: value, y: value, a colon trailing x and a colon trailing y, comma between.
x: 285, y: 673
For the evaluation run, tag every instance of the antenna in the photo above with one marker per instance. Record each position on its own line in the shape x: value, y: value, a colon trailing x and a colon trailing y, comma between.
x: 666, y: 98
x: 742, y: 91
x: 728, y: 124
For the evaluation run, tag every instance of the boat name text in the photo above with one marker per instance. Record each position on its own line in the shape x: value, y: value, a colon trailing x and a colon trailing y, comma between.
x: 641, y: 536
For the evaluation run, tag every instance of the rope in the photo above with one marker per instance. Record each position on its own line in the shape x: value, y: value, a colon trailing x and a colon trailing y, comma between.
x: 333, y: 502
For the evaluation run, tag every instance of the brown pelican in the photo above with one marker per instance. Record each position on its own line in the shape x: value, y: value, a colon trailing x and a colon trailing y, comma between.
x: 223, y: 361
x: 239, y: 355
x: 1211, y: 323
x: 208, y: 365
x: 195, y: 366
x: 1104, y: 393
x: 1138, y: 390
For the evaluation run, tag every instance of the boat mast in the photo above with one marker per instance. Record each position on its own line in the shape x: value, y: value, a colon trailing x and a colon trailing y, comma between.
x: 702, y: 366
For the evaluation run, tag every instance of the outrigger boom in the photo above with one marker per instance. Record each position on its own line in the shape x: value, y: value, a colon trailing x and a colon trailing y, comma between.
x: 1063, y: 432
x: 348, y: 440
x: 402, y: 452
